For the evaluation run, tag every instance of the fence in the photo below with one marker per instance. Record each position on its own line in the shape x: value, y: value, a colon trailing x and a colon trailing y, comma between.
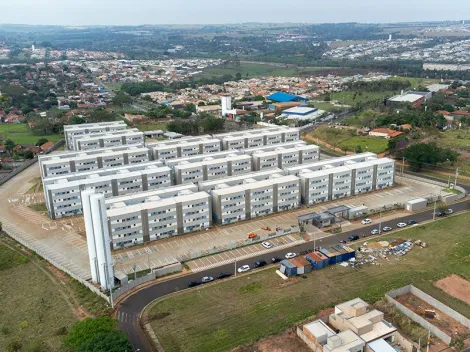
x: 431, y: 301
x: 236, y: 244
x: 9, y: 232
x: 462, y: 191
x: 28, y: 163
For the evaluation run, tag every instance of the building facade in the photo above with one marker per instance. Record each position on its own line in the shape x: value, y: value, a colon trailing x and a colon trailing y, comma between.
x: 70, y: 131
x: 108, y: 139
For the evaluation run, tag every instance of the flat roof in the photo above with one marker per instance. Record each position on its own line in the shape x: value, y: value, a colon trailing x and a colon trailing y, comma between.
x: 318, y: 328
x: 97, y: 125
x: 257, y: 184
x: 380, y: 345
x: 348, y: 340
x: 406, y: 98
x: 341, y: 159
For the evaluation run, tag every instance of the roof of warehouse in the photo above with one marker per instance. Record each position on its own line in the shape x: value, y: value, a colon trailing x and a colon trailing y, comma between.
x: 284, y: 97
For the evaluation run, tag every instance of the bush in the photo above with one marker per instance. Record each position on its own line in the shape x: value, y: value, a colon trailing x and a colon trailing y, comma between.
x: 13, y: 346
x: 62, y: 331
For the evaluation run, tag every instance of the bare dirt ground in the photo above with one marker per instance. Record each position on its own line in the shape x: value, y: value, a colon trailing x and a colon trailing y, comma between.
x: 441, y: 320
x: 456, y: 287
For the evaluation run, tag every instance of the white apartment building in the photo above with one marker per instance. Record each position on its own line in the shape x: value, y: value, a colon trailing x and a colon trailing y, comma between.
x: 270, y: 148
x: 208, y: 186
x: 332, y: 183
x: 71, y: 131
x: 254, y: 198
x: 157, y: 218
x: 258, y: 137
x: 184, y: 148
x: 108, y: 139
x: 341, y: 161
x: 56, y: 165
x: 63, y: 195
x: 285, y: 157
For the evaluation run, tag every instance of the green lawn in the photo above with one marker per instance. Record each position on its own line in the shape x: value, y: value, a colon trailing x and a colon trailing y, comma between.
x: 21, y: 134
x: 245, y: 309
x: 368, y: 144
x: 349, y: 97
x: 151, y: 126
x: 324, y: 106
x: 38, y: 207
x: 260, y: 70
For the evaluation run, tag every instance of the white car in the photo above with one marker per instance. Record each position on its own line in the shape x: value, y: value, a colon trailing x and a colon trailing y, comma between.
x: 401, y: 224
x: 366, y: 221
x: 375, y: 232
x: 290, y: 255
x: 207, y: 279
x: 243, y: 269
x: 267, y: 245
x: 449, y: 211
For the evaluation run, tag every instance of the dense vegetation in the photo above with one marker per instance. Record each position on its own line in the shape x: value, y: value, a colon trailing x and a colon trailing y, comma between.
x: 427, y: 155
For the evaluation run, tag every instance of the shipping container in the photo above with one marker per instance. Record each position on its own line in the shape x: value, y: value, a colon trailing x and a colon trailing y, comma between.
x: 317, y: 259
x: 287, y: 268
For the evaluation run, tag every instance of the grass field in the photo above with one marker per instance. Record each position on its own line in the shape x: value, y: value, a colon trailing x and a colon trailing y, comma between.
x: 260, y: 70
x: 242, y: 310
x: 151, y: 126
x: 343, y: 139
x: 21, y: 134
x: 39, y: 303
x: 350, y: 97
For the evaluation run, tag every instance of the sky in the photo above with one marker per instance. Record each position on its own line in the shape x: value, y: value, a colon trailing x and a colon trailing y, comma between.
x: 137, y: 12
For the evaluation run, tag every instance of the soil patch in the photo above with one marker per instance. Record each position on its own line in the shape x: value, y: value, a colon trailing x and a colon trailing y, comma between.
x: 288, y: 341
x: 456, y: 287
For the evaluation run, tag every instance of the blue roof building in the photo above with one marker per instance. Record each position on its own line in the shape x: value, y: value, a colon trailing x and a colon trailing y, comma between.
x: 281, y: 97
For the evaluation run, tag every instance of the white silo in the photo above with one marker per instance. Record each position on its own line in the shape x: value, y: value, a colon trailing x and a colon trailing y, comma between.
x: 226, y: 101
x: 90, y: 238
x: 103, y: 249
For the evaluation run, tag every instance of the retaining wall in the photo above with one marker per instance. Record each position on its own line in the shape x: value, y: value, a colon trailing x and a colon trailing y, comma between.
x: 390, y: 297
x: 309, y: 342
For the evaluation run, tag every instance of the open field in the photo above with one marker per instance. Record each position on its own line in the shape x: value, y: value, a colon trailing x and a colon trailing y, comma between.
x: 244, y: 309
x: 456, y: 287
x: 343, y: 139
x: 39, y: 302
x: 21, y: 134
x: 350, y: 97
x: 151, y: 125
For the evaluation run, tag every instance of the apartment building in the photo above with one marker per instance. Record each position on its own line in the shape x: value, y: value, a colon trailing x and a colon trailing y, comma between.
x: 56, y: 165
x: 258, y: 137
x: 71, y: 131
x: 270, y: 148
x: 157, y: 218
x: 184, y: 148
x: 108, y: 139
x: 332, y: 183
x: 150, y: 145
x: 341, y: 161
x: 211, y: 168
x: 254, y: 198
x: 285, y: 157
x: 63, y: 195
x: 208, y: 186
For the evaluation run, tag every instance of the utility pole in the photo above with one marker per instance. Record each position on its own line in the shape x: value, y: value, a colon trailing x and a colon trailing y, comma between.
x: 403, y: 167
x: 135, y: 274
x: 456, y: 176
x: 429, y: 338
x: 434, y: 212
x: 448, y: 182
x: 380, y: 223
x: 235, y: 266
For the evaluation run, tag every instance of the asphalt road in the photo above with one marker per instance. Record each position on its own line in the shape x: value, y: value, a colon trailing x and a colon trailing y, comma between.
x: 130, y: 309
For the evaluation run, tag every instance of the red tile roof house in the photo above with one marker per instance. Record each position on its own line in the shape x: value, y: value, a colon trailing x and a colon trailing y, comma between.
x: 46, y: 146
x: 385, y: 133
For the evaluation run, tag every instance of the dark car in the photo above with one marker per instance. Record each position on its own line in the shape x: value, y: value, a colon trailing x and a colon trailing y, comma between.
x: 275, y: 259
x: 194, y: 283
x: 260, y: 263
x: 353, y: 237
x: 411, y: 222
x: 224, y: 275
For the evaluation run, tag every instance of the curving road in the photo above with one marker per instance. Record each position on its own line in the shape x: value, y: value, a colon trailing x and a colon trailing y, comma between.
x: 130, y: 309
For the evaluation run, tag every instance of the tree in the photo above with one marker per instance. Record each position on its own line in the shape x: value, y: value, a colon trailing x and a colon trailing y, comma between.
x: 88, y: 329
x: 259, y: 98
x: 428, y: 155
x: 358, y: 149
x: 121, y: 99
x: 101, y: 115
x: 448, y: 108
x: 114, y: 341
x: 9, y: 145
x: 75, y: 120
x: 238, y: 76
x: 41, y: 141
x: 190, y: 107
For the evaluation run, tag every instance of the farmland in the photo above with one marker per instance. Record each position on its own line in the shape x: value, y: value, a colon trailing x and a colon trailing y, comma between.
x: 21, y: 134
x: 242, y: 310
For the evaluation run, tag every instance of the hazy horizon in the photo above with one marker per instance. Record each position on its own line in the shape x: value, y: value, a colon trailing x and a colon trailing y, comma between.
x: 190, y: 12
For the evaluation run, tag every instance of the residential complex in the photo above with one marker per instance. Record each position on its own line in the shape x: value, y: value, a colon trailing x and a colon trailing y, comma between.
x: 66, y: 163
x: 71, y: 131
x: 108, y: 139
x: 254, y: 198
x: 258, y: 137
x: 285, y: 157
x: 62, y: 194
x: 184, y: 148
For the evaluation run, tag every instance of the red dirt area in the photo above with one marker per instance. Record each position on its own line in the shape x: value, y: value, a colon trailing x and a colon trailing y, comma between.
x: 288, y: 341
x: 441, y: 320
x: 456, y: 287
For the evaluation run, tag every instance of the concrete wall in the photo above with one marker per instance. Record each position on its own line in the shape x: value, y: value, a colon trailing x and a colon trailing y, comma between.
x: 169, y: 269
x: 309, y: 342
x: 405, y: 344
x: 390, y: 297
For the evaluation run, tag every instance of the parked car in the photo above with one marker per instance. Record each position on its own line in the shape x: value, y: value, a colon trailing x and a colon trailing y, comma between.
x: 290, y: 255
x: 260, y: 263
x: 224, y: 275
x: 194, y: 283
x: 243, y: 268
x: 439, y: 214
x: 267, y: 245
x: 275, y: 259
x: 449, y: 211
x: 366, y: 222
x: 342, y: 242
x: 207, y: 279
x: 375, y: 232
x: 353, y: 237
x: 386, y: 229
x: 401, y: 224
x: 411, y: 222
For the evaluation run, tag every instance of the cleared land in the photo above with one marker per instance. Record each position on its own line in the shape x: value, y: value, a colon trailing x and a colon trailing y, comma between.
x: 39, y: 302
x: 242, y: 310
x: 456, y: 287
x: 21, y: 134
x: 249, y: 70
